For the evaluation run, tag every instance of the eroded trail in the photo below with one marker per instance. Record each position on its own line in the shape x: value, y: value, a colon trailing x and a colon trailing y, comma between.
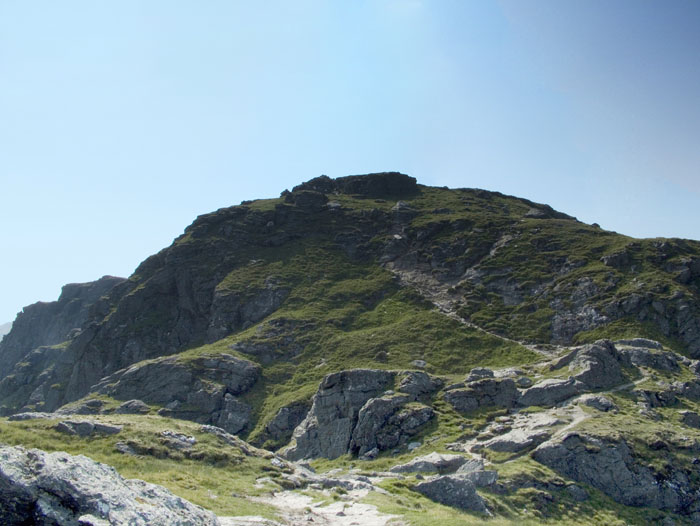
x: 296, y: 509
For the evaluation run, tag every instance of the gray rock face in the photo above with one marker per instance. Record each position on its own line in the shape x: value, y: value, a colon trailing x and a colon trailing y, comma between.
x: 612, y: 468
x: 595, y: 366
x: 477, y: 373
x: 232, y: 311
x: 286, y: 420
x: 418, y: 383
x: 644, y: 343
x: 45, y: 324
x: 433, y: 462
x: 661, y: 361
x: 488, y: 392
x: 56, y: 488
x: 453, y: 490
x: 550, y: 392
x: 383, y: 423
x: 653, y: 399
x: 328, y: 428
x: 202, y: 390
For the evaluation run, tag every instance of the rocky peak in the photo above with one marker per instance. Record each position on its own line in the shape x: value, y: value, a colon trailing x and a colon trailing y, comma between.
x: 384, y: 184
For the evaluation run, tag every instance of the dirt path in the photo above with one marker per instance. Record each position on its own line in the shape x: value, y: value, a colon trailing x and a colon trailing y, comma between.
x: 296, y: 510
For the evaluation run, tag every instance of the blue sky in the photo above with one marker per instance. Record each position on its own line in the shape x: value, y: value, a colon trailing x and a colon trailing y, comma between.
x: 121, y: 121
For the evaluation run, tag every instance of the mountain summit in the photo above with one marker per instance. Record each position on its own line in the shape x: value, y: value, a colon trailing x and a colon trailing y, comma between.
x: 357, y: 317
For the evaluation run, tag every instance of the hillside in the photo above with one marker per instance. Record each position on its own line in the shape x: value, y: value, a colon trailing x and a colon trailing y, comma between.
x: 363, y: 321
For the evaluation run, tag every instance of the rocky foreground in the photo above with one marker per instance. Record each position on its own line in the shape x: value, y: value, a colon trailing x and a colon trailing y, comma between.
x: 375, y: 414
x: 55, y: 488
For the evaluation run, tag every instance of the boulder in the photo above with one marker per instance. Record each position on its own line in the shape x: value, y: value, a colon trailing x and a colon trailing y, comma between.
x: 328, y: 428
x: 91, y: 406
x: 477, y: 373
x: 418, y: 383
x: 487, y: 392
x: 456, y: 491
x: 86, y: 428
x: 178, y: 441
x: 517, y: 440
x: 599, y: 402
x: 480, y: 478
x: 433, y: 462
x: 133, y: 407
x: 644, y: 343
x: 56, y: 488
x: 550, y: 392
x: 653, y: 399
x: 31, y: 415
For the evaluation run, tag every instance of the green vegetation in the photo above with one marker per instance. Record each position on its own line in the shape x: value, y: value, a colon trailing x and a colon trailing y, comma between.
x: 203, y: 475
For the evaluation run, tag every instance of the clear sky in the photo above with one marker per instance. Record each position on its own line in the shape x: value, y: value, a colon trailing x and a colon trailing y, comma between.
x: 121, y: 121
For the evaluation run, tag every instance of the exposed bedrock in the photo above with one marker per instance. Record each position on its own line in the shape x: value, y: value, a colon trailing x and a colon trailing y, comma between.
x: 60, y: 489
x: 612, y: 467
x: 203, y: 389
x: 357, y: 412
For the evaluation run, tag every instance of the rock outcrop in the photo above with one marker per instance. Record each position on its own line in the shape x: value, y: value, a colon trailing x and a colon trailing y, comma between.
x: 595, y: 366
x: 356, y: 412
x: 327, y: 429
x: 487, y: 392
x: 203, y: 389
x: 457, y: 491
x: 612, y: 467
x: 550, y: 392
x: 56, y: 488
x: 45, y: 324
x: 433, y: 462
x: 385, y: 422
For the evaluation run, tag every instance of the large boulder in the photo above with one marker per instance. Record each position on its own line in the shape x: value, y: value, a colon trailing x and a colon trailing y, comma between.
x: 457, y: 491
x: 328, y: 427
x: 612, y: 467
x: 550, y: 392
x: 60, y: 489
x: 418, y: 383
x: 487, y: 392
x: 433, y: 462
